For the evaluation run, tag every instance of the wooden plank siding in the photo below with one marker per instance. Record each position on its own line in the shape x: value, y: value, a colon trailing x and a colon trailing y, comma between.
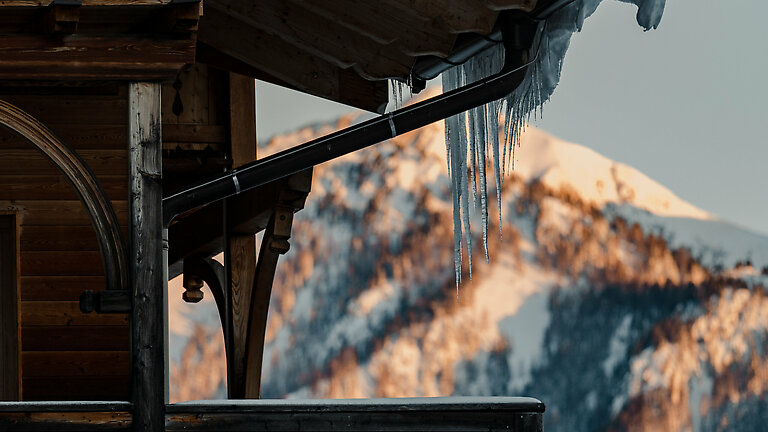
x: 65, y: 354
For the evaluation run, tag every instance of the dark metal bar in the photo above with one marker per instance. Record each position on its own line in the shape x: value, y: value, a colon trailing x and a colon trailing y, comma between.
x: 364, y: 134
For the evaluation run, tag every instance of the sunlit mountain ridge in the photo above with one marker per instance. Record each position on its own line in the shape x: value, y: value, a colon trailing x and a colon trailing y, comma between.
x: 616, y: 302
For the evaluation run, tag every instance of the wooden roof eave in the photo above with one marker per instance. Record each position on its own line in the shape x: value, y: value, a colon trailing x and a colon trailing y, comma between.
x: 345, y: 52
x: 243, y: 49
x: 97, y: 40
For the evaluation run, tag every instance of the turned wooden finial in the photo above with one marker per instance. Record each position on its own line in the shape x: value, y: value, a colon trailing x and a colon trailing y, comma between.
x: 192, y: 285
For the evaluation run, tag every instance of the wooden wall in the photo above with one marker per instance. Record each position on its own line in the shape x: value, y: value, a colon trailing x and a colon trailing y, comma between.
x: 66, y: 355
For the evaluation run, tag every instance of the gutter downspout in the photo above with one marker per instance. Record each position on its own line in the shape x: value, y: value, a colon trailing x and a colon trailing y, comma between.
x: 518, y: 39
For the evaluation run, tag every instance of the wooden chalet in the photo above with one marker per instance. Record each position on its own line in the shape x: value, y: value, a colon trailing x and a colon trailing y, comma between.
x: 128, y: 156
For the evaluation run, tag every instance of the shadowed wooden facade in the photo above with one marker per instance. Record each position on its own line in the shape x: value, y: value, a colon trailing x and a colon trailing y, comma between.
x: 108, y: 106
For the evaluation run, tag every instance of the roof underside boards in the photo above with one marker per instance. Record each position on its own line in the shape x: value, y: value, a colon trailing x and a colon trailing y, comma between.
x: 340, y: 50
x: 323, y: 47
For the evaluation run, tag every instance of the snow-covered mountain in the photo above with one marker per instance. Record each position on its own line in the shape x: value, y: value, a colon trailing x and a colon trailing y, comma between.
x: 617, y: 303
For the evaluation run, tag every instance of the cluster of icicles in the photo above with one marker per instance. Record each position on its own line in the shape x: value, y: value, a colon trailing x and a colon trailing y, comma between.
x: 484, y: 138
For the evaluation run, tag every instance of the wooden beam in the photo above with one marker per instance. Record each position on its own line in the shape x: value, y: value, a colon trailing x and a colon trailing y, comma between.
x: 240, y: 255
x: 66, y: 416
x: 9, y: 310
x: 97, y: 57
x: 149, y: 315
x: 242, y: 118
x: 397, y: 414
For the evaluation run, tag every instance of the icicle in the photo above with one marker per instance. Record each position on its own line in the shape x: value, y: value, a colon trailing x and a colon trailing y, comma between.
x: 473, y: 156
x: 393, y: 95
x: 410, y: 88
x: 479, y: 114
x: 493, y: 132
x: 453, y: 151
x: 471, y: 134
x: 397, y: 89
x: 463, y: 185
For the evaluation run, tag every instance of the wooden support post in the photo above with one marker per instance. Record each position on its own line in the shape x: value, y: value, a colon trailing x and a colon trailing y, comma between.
x: 149, y: 314
x: 241, y: 247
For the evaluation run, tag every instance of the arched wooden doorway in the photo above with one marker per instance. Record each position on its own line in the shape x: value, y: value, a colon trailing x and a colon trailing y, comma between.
x: 88, y: 188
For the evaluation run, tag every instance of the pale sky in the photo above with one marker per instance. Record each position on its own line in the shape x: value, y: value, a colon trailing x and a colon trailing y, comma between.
x: 685, y: 104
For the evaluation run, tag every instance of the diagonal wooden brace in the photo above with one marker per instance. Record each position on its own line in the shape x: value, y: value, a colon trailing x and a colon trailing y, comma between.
x: 274, y: 244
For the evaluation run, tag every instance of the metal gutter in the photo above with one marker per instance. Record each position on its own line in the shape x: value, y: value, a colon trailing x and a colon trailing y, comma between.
x: 470, y: 44
x: 467, y: 45
x: 518, y: 37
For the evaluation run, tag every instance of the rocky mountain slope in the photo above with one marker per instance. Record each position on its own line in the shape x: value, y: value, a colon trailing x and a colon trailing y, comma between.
x: 615, y: 302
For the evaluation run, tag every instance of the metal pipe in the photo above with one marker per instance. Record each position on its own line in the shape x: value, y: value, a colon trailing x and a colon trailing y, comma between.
x: 365, y: 134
